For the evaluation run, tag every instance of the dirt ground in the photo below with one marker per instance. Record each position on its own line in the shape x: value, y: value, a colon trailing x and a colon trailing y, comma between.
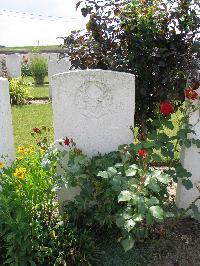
x: 180, y: 247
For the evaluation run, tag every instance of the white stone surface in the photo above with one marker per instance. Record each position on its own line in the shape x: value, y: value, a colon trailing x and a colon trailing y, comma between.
x: 13, y: 64
x: 56, y: 66
x: 6, y: 131
x: 95, y: 108
x: 190, y: 159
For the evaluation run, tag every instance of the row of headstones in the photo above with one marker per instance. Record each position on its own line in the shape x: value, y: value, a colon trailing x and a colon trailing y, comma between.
x: 13, y: 64
x: 96, y: 109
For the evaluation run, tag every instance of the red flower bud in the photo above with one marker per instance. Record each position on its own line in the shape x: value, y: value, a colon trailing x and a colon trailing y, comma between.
x: 36, y: 130
x: 66, y: 141
x: 166, y: 108
x: 191, y: 94
x: 142, y: 153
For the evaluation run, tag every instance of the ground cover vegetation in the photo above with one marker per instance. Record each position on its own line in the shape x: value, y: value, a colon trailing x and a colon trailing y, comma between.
x: 122, y: 195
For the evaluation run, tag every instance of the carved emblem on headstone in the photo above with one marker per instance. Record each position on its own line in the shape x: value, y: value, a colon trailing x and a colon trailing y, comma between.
x: 93, y: 99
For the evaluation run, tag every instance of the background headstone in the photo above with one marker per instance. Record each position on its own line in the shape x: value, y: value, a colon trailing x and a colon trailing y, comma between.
x: 13, y: 64
x: 6, y: 130
x: 56, y: 66
x: 190, y: 159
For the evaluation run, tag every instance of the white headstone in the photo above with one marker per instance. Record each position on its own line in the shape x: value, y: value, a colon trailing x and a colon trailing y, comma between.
x: 95, y: 108
x: 56, y: 66
x: 6, y: 131
x: 13, y: 64
x: 190, y: 159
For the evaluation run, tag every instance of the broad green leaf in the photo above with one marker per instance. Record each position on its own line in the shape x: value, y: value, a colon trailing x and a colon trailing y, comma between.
x: 130, y: 172
x: 182, y: 172
x: 163, y: 178
x: 187, y: 143
x: 128, y: 243
x: 157, y: 212
x: 103, y: 174
x: 129, y: 225
x: 148, y: 144
x: 169, y: 124
x: 125, y: 195
x: 153, y: 185
x: 187, y: 183
x: 112, y: 171
x: 152, y: 201
x: 149, y: 218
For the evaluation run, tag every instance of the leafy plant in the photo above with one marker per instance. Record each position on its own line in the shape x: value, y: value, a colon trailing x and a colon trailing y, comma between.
x: 31, y: 229
x: 26, y: 71
x: 123, y: 188
x: 39, y: 68
x: 18, y: 91
x: 154, y: 40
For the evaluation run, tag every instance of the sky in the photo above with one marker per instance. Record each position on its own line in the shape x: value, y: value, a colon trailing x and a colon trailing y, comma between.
x: 18, y: 29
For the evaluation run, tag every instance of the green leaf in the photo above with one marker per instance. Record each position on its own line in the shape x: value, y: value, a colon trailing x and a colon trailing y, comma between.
x: 129, y: 225
x: 169, y: 124
x: 125, y: 195
x: 128, y: 243
x: 156, y: 158
x: 148, y: 144
x: 152, y: 201
x: 157, y: 212
x: 131, y: 171
x: 164, y: 179
x: 149, y: 218
x: 112, y: 171
x: 103, y: 174
x: 152, y: 184
x: 187, y: 143
x: 182, y: 172
x: 187, y: 184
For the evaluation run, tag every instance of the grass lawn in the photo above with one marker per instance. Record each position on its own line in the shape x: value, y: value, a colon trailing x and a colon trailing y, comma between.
x: 37, y: 92
x: 26, y: 117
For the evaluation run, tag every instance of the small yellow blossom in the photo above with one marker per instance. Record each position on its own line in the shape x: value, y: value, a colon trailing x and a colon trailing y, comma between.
x: 21, y: 150
x: 20, y: 173
x: 2, y: 165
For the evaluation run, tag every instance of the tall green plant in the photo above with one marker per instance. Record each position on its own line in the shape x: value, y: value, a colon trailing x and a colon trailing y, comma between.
x: 39, y: 69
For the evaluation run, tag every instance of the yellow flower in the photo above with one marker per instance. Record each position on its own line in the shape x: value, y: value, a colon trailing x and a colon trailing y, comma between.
x: 21, y: 150
x: 20, y: 173
x: 2, y: 165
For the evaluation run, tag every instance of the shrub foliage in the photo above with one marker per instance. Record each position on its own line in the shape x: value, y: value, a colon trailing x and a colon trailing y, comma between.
x: 149, y: 38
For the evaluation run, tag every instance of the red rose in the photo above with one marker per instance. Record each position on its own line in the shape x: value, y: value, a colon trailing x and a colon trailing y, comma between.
x: 142, y: 153
x: 36, y: 130
x: 191, y: 94
x: 166, y: 108
x: 66, y: 141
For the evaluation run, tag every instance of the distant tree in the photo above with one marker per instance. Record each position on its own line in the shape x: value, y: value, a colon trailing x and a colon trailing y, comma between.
x: 152, y: 39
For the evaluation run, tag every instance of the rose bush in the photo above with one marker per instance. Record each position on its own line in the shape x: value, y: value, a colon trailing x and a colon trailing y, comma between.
x: 124, y: 189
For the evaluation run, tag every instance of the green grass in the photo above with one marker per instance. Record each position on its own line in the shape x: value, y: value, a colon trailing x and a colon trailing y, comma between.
x: 37, y: 92
x: 26, y: 117
x: 30, y: 48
